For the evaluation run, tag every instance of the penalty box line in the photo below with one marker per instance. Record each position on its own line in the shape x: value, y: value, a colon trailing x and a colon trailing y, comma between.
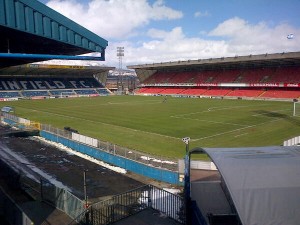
x: 231, y: 131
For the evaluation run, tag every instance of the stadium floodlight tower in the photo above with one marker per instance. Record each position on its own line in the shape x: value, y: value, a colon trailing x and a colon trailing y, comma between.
x: 120, y: 54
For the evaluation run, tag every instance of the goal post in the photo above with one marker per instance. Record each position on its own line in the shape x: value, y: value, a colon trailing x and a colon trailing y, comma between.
x: 66, y: 94
x: 296, y: 108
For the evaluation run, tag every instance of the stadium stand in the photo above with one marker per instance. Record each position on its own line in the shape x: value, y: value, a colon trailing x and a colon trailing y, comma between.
x: 245, y: 93
x: 226, y: 76
x: 279, y: 93
x: 194, y: 91
x: 52, y: 86
x: 9, y: 94
x: 263, y: 79
x: 30, y: 94
x: 256, y: 75
x: 217, y: 92
x: 286, y: 75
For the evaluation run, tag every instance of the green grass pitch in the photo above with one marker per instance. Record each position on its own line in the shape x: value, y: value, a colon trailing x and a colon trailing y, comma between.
x: 156, y: 126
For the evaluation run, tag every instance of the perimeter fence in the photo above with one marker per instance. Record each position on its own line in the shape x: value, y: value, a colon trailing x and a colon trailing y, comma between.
x: 61, y: 199
x: 161, y: 162
x: 150, y: 160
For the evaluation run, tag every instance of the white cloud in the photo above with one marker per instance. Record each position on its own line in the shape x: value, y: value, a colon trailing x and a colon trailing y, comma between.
x: 231, y: 37
x: 167, y: 46
x: 122, y: 19
x: 114, y: 18
x: 245, y: 38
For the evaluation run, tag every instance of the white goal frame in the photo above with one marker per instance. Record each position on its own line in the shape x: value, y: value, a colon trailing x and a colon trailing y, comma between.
x: 295, y: 110
x: 67, y: 93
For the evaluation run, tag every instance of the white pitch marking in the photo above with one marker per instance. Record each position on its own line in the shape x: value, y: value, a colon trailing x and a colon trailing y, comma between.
x: 209, y: 121
x: 112, y: 125
x: 231, y: 131
x: 240, y: 135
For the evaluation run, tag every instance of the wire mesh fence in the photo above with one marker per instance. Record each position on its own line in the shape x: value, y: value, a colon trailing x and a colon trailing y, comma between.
x: 150, y: 160
x: 141, y: 157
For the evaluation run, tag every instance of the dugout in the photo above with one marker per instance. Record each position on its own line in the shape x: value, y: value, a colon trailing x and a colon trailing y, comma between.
x: 260, y: 185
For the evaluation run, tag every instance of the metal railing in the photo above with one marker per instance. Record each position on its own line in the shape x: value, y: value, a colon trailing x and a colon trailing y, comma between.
x: 117, y: 207
x: 141, y: 157
x: 129, y: 203
x: 150, y: 160
x: 61, y: 199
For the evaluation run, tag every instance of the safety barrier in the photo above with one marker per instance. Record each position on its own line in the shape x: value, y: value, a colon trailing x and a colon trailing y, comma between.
x: 136, y: 167
x: 161, y: 169
x: 61, y: 199
x: 129, y: 203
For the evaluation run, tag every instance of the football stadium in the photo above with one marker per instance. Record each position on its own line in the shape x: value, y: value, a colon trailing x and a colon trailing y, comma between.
x: 222, y: 131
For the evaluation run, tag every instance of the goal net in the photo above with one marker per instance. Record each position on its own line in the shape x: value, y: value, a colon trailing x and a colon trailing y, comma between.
x: 296, y: 110
x: 67, y: 94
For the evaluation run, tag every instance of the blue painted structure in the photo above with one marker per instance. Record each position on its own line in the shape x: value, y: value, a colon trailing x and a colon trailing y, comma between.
x: 36, y: 18
x: 30, y: 27
x: 46, y: 57
x: 135, y: 167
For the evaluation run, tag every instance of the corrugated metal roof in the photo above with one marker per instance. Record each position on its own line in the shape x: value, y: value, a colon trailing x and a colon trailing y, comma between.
x: 263, y: 182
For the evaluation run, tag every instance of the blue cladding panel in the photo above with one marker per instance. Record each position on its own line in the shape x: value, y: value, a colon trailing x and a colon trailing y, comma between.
x: 85, y: 43
x: 77, y: 39
x: 29, y: 21
x: 29, y: 15
x: 71, y: 37
x: 47, y: 26
x: 92, y: 45
x: 62, y: 33
x: 139, y: 168
x: 10, y: 13
x: 38, y: 22
x: 2, y: 12
x: 20, y: 15
x: 55, y: 33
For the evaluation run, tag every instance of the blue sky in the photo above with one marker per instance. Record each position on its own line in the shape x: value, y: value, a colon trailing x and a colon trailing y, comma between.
x: 172, y: 30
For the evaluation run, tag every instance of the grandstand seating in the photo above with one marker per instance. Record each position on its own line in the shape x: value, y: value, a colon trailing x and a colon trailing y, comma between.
x: 159, y: 77
x: 103, y: 91
x: 171, y: 91
x: 32, y: 87
x: 225, y: 76
x: 204, y: 77
x: 86, y: 92
x: 194, y: 91
x: 9, y: 94
x: 256, y: 75
x: 30, y: 94
x: 182, y: 77
x: 245, y: 93
x: 217, y: 92
x: 286, y: 75
x: 279, y: 93
x: 226, y: 82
